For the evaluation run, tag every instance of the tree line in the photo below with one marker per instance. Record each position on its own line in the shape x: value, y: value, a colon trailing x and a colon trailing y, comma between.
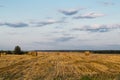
x: 17, y: 50
x: 92, y: 51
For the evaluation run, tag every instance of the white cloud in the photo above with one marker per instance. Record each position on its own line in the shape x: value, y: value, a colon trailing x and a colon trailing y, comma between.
x: 46, y: 22
x: 90, y: 15
x: 70, y: 11
x: 14, y: 24
x: 107, y: 3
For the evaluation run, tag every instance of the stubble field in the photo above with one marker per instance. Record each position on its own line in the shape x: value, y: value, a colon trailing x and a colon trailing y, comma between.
x: 60, y: 66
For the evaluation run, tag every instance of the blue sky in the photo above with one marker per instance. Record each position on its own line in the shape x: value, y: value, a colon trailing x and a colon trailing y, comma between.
x: 59, y: 24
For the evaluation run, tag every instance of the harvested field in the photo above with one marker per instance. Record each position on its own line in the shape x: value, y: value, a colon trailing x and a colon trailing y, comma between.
x: 60, y: 66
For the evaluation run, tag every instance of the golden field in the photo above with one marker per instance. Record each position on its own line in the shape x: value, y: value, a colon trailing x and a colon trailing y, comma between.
x: 60, y: 66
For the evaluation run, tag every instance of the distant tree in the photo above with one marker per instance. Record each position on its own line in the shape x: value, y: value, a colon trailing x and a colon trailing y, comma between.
x: 17, y: 50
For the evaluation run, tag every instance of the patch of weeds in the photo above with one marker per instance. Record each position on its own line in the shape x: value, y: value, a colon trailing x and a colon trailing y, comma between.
x: 103, y: 76
x: 85, y: 78
x: 117, y: 77
x: 6, y: 76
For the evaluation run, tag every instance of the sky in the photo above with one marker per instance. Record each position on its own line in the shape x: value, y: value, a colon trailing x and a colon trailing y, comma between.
x: 60, y: 24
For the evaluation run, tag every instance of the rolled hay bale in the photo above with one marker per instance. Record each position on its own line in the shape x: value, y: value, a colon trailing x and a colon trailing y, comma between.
x: 58, y: 53
x: 33, y: 53
x: 29, y: 53
x: 87, y: 53
x: 4, y: 53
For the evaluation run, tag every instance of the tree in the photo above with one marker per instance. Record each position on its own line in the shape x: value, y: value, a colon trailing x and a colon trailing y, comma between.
x: 17, y: 50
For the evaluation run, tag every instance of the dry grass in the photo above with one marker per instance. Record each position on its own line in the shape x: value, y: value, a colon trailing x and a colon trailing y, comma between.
x: 60, y: 66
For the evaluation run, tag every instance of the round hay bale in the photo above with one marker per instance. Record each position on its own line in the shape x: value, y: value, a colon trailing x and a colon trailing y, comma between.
x: 87, y: 53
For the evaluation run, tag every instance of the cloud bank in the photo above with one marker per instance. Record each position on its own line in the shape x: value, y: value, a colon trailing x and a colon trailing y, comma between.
x: 98, y: 28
